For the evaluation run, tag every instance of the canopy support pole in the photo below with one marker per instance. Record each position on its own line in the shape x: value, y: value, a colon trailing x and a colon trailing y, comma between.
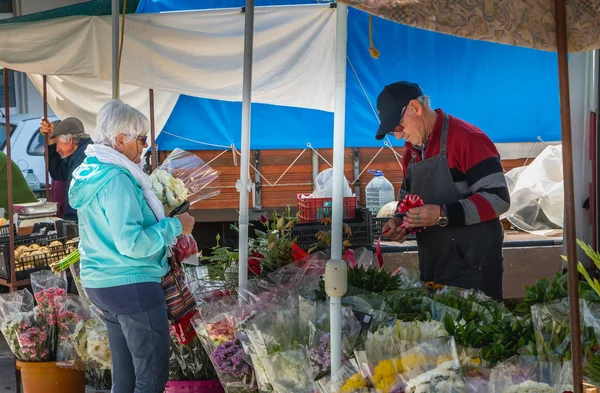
x: 46, y: 159
x: 567, y: 154
x: 9, y: 181
x: 245, y: 148
x: 153, y: 151
x: 336, y: 268
x: 115, y: 47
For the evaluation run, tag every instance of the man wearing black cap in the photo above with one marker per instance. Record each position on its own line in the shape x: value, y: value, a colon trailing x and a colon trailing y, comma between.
x: 455, y: 168
x: 66, y: 151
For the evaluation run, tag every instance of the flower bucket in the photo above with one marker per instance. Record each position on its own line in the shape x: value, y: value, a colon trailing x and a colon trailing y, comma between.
x: 212, y: 386
x: 46, y: 377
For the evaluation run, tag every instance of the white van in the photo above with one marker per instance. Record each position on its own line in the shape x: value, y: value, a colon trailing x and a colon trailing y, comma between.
x: 27, y: 143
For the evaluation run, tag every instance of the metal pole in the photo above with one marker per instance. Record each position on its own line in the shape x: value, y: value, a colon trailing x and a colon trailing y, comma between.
x: 115, y: 46
x: 153, y: 152
x: 336, y: 268
x: 567, y: 154
x: 245, y: 148
x: 45, y: 94
x: 9, y: 180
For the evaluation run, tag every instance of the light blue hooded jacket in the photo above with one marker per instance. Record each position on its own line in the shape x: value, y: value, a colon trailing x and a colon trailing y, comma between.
x: 121, y: 241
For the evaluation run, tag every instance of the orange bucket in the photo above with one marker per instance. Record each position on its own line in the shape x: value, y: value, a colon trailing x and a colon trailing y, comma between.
x: 45, y: 377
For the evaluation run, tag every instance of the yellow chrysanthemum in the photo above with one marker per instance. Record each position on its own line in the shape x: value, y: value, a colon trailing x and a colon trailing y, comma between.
x: 354, y: 382
x: 384, y: 375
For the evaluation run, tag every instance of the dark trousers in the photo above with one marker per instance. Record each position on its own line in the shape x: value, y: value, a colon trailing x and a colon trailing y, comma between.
x: 139, y: 345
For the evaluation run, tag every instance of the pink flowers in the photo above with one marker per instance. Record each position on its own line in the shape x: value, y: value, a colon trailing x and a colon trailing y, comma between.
x: 220, y: 331
x: 33, y: 343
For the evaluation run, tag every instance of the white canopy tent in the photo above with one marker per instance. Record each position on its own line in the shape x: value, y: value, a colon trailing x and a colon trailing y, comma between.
x: 198, y: 53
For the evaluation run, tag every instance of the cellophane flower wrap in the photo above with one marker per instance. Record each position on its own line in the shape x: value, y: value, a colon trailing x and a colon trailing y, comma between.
x: 50, y: 292
x: 90, y: 340
x: 279, y: 339
x: 16, y: 320
x: 183, y: 176
x: 71, y: 312
x: 215, y: 327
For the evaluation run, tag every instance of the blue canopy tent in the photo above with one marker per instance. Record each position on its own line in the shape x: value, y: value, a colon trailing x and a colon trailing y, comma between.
x: 474, y: 80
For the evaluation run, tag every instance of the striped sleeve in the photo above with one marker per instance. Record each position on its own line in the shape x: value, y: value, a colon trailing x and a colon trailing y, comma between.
x: 488, y: 192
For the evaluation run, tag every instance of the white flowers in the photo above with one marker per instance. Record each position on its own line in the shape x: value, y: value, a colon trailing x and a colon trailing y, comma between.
x: 168, y: 189
x: 444, y: 378
x: 530, y: 387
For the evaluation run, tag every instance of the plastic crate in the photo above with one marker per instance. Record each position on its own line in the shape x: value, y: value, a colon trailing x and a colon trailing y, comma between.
x: 316, y: 209
x: 24, y: 266
x: 360, y: 226
x: 379, y: 223
x: 5, y: 231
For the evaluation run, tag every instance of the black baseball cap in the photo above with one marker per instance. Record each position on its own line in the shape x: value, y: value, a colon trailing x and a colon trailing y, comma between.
x: 390, y: 103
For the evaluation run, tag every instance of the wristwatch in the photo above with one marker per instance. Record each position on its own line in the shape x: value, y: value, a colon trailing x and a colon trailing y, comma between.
x: 442, y: 221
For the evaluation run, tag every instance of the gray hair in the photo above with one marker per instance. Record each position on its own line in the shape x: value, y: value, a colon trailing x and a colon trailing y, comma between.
x: 424, y: 101
x: 115, y: 118
x: 75, y: 138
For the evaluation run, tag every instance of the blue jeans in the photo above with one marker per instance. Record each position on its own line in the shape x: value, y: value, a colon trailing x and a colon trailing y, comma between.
x: 139, y: 344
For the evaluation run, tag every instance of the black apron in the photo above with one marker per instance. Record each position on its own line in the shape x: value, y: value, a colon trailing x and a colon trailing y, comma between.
x: 460, y: 256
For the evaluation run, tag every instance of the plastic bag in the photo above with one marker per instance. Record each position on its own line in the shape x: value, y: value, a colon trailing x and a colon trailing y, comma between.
x: 183, y: 176
x: 70, y: 313
x: 90, y: 341
x: 16, y: 317
x: 346, y: 380
x: 185, y: 250
x: 324, y: 185
x: 439, y: 371
x: 50, y: 292
x: 288, y: 371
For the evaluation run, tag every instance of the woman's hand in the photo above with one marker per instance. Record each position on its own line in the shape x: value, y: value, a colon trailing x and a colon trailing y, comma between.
x: 187, y: 223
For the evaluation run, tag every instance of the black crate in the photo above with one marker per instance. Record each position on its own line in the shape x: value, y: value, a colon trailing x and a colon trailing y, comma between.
x: 26, y: 265
x: 378, y: 224
x: 5, y: 232
x: 360, y: 226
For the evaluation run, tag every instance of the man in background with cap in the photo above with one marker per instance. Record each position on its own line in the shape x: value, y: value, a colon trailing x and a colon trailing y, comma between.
x: 66, y: 151
x: 455, y: 168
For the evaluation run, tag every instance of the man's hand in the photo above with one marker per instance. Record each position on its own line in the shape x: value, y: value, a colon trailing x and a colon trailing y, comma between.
x: 46, y: 128
x: 424, y: 216
x: 393, y: 230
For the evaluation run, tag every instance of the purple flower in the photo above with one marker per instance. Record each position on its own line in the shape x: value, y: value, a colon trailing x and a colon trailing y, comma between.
x: 228, y: 358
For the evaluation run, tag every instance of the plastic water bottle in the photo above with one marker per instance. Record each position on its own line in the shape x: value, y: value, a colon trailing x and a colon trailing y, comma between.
x: 32, y: 180
x: 379, y: 192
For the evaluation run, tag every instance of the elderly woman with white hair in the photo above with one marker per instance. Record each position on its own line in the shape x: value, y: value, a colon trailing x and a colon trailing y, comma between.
x: 124, y: 236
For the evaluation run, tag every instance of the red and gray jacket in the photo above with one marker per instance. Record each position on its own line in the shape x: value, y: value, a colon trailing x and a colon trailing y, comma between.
x: 475, y: 166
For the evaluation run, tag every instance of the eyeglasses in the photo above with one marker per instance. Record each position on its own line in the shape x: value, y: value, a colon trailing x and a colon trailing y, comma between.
x: 142, y: 139
x: 393, y: 131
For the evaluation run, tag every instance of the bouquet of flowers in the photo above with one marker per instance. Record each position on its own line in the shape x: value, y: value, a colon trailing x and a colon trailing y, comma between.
x: 189, y: 362
x: 26, y: 336
x: 183, y: 176
x: 50, y: 292
x: 72, y: 311
x: 90, y: 340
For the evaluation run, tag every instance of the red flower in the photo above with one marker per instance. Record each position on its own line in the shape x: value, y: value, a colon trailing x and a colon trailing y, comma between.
x: 264, y: 219
x: 254, y: 263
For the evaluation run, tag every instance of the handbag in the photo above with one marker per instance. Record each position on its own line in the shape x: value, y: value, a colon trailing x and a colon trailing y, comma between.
x: 180, y: 300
